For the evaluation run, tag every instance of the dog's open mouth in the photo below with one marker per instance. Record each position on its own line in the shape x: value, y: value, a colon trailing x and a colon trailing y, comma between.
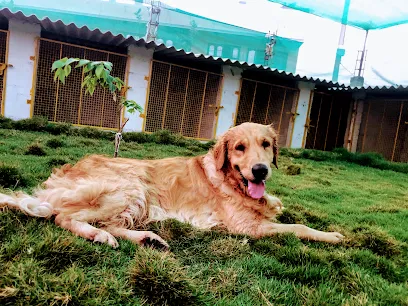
x: 256, y: 189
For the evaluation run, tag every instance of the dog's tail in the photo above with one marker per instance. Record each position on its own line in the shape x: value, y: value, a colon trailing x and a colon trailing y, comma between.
x: 27, y: 204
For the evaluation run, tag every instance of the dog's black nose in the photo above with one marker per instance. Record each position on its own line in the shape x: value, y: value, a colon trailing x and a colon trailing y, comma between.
x: 260, y: 171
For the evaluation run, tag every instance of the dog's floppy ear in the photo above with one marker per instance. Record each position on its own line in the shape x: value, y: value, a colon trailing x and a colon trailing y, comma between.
x: 275, y: 148
x: 221, y: 152
x: 275, y: 153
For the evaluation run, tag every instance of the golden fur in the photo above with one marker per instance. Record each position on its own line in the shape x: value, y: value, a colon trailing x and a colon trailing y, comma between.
x: 120, y: 195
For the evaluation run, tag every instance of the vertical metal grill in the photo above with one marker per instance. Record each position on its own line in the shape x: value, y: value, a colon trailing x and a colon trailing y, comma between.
x: 182, y: 100
x: 68, y: 102
x: 327, y: 122
x: 267, y: 103
x: 384, y: 129
x: 3, y: 64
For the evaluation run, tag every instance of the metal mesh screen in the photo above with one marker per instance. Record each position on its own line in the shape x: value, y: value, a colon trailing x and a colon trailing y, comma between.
x: 266, y: 103
x: 383, y: 129
x: 3, y: 59
x: 327, y: 121
x: 68, y: 102
x: 182, y: 100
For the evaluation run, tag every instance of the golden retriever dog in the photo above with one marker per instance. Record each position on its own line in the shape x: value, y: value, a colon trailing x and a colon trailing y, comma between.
x: 102, y: 198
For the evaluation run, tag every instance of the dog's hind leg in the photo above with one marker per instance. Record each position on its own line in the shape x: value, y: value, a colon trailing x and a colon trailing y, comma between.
x: 85, y: 230
x: 142, y: 238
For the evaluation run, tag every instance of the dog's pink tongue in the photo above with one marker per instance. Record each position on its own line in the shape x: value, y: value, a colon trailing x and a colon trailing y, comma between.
x: 256, y: 190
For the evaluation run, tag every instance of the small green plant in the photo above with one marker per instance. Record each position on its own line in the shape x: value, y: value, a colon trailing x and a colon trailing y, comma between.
x: 98, y: 73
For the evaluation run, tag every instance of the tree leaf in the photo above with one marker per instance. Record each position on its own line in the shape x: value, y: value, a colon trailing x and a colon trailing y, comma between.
x: 98, y: 71
x: 57, y: 64
x: 108, y: 65
x: 71, y: 60
x: 62, y: 75
x: 67, y: 70
x: 82, y: 63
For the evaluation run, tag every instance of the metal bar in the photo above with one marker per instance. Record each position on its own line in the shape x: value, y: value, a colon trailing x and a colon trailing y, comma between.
x: 157, y: 61
x: 281, y: 114
x: 267, y: 108
x: 381, y: 125
x: 396, y: 134
x: 167, y: 95
x: 57, y: 92
x: 202, y: 105
x: 365, y: 127
x: 280, y: 86
x: 362, y: 55
x: 239, y: 101
x: 73, y: 45
x: 185, y: 102
x: 338, y: 127
x: 81, y: 95
x: 253, y: 102
x: 328, y: 125
x: 147, y: 96
x: 294, y: 118
x: 306, y: 130
x: 103, y: 97
x: 3, y: 96
x: 219, y: 102
x: 123, y: 110
x: 34, y: 76
x: 317, y: 123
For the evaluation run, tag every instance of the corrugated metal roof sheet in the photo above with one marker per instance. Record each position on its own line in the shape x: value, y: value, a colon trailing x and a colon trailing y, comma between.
x: 385, y: 88
x: 108, y: 38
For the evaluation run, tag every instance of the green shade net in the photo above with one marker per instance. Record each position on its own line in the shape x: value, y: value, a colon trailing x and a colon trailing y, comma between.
x: 177, y: 28
x: 363, y: 14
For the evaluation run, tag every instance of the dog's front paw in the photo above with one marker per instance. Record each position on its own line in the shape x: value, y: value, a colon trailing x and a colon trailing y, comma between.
x: 274, y: 202
x: 105, y: 237
x: 334, y: 237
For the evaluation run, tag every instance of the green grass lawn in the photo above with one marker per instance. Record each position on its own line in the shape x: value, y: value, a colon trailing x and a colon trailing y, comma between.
x: 41, y: 264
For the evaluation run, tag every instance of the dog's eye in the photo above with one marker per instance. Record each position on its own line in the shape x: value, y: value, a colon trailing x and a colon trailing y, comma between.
x: 266, y: 144
x: 240, y: 147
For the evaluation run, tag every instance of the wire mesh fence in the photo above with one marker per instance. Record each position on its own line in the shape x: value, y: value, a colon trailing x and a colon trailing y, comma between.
x: 267, y: 103
x: 182, y: 100
x: 384, y: 129
x: 327, y: 122
x: 3, y: 67
x: 68, y: 102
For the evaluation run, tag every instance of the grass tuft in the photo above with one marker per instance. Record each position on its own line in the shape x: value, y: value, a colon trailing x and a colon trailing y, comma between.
x: 160, y: 279
x: 35, y: 149
x: 293, y: 170
x: 56, y: 162
x: 12, y: 177
x: 55, y: 143
x: 230, y: 247
x: 376, y: 240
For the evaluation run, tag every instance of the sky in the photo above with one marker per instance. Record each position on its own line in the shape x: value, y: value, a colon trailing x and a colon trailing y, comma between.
x: 387, y: 49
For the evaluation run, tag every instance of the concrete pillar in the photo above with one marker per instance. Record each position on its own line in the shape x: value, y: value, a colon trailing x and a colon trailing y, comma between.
x: 139, y: 62
x: 229, y: 99
x: 304, y: 103
x: 22, y: 46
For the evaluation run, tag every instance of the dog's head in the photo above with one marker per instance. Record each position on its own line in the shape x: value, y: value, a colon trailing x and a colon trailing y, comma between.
x: 245, y: 154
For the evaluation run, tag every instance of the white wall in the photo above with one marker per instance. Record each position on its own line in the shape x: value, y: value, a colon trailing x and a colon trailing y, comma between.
x: 229, y: 99
x: 302, y: 110
x: 140, y: 59
x: 19, y: 77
